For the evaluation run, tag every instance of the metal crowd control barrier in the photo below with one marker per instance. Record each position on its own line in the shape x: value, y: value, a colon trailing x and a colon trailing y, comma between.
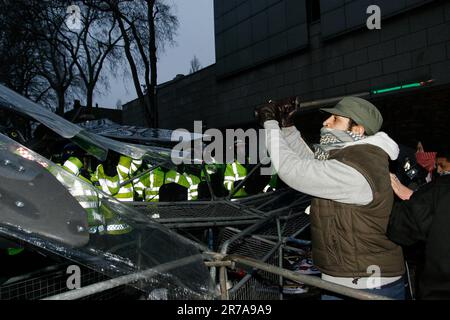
x: 232, y: 261
x: 264, y: 241
x: 256, y: 284
x: 222, y: 213
x: 214, y: 260
x: 52, y: 280
x: 200, y: 214
x: 99, y: 287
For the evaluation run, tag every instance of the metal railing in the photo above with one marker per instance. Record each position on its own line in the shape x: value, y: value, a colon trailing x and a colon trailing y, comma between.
x: 231, y: 261
x: 223, y: 262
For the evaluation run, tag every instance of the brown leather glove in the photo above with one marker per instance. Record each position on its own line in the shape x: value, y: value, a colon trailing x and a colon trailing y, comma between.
x: 287, y: 108
x: 267, y: 112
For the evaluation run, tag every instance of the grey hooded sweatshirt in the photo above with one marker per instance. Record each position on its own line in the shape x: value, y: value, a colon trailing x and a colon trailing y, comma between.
x: 295, y: 164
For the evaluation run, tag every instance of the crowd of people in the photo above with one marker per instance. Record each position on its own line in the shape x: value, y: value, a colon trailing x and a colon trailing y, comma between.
x: 131, y: 180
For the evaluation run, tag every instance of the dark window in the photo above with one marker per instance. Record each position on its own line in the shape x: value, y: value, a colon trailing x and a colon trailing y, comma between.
x: 313, y: 7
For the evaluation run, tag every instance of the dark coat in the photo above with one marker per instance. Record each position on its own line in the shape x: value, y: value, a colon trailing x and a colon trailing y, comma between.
x: 426, y: 217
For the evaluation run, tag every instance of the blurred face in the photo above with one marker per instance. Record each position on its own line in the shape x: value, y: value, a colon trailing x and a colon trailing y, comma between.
x: 443, y: 165
x: 337, y: 123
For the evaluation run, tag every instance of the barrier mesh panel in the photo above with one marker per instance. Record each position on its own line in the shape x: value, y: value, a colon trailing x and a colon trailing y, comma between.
x: 194, y: 211
x: 290, y: 226
x: 47, y: 284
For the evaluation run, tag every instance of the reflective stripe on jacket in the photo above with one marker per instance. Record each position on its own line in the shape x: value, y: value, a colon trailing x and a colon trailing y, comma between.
x: 110, y: 185
x: 125, y: 193
x: 193, y: 186
x: 235, y: 172
x: 173, y: 176
x: 86, y: 197
x: 147, y: 186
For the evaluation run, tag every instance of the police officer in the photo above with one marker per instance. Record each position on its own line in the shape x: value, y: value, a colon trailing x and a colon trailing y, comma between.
x: 109, y: 177
x: 193, y: 182
x: 87, y: 197
x: 236, y: 172
x: 147, y: 187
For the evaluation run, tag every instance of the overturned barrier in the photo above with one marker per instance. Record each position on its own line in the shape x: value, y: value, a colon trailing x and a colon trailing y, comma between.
x: 232, y: 260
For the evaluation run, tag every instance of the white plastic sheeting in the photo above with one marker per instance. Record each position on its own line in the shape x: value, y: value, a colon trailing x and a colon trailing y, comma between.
x: 147, y: 244
x: 94, y: 144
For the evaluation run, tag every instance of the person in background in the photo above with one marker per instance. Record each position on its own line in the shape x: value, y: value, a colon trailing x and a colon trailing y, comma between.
x: 108, y: 178
x: 175, y: 187
x: 235, y: 172
x: 424, y: 216
x: 193, y: 181
x: 147, y: 187
x: 426, y: 160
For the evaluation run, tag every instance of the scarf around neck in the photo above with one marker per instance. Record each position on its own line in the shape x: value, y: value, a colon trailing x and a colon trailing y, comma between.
x: 331, y: 139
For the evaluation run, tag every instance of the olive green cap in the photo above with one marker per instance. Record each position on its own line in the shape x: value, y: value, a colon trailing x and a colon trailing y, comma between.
x: 361, y: 111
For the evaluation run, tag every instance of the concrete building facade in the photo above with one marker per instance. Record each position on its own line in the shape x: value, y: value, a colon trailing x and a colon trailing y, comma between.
x: 272, y: 49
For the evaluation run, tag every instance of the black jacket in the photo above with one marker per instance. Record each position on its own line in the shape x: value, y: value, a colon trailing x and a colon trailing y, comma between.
x: 426, y: 217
